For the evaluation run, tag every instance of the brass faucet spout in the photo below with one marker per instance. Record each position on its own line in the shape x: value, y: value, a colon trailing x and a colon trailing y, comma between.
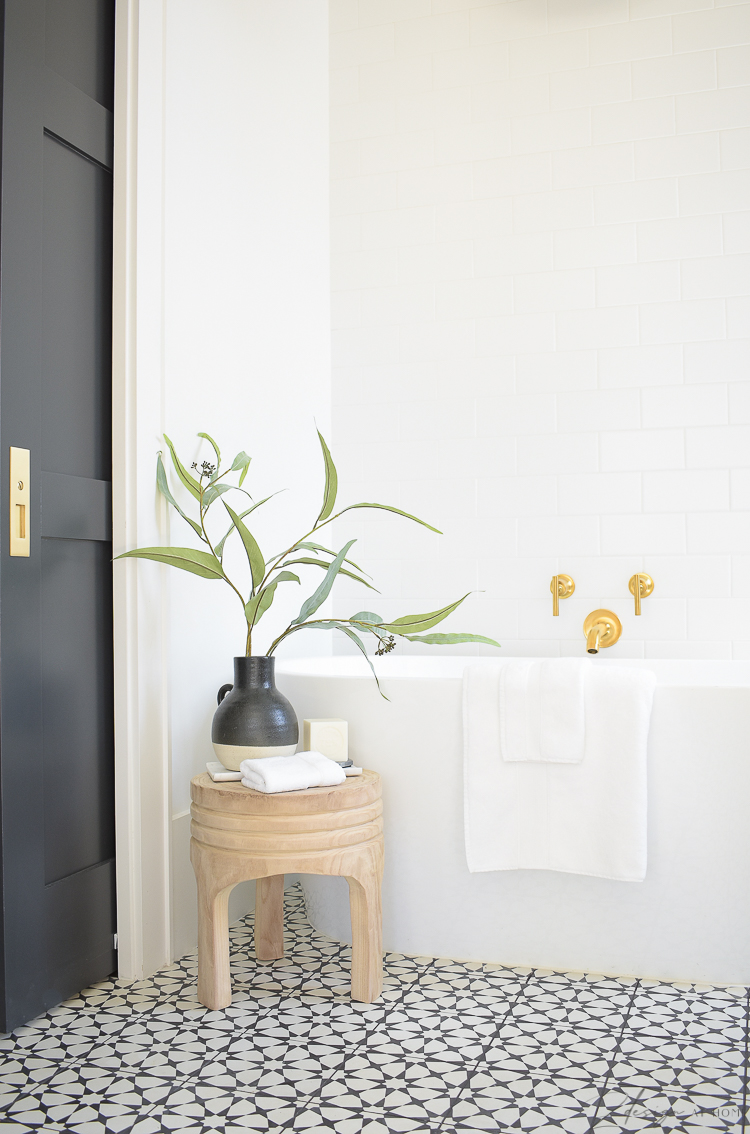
x: 601, y: 628
x: 592, y: 640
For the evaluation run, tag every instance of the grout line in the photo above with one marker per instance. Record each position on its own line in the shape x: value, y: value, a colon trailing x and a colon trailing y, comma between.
x: 612, y: 1061
x: 485, y: 1047
x: 319, y: 951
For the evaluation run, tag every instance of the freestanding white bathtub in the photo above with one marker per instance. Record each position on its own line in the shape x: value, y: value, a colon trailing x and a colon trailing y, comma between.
x: 689, y: 920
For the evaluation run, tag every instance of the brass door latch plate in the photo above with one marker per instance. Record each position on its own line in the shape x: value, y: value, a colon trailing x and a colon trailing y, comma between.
x: 20, y: 498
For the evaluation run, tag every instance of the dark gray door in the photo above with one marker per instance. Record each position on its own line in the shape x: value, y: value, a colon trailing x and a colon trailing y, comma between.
x: 56, y: 730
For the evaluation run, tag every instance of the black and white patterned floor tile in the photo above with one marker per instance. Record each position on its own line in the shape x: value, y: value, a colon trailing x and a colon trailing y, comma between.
x: 450, y: 1047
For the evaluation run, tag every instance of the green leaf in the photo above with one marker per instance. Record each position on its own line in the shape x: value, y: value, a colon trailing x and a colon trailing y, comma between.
x: 215, y: 447
x: 327, y: 550
x: 414, y: 622
x: 191, y: 484
x: 320, y: 624
x: 219, y: 549
x: 333, y: 625
x: 287, y: 577
x: 358, y: 579
x: 311, y: 605
x: 332, y: 482
x: 360, y: 645
x: 163, y: 486
x: 213, y: 492
x: 319, y: 563
x: 201, y: 563
x: 253, y: 613
x: 241, y: 461
x: 259, y: 604
x: 366, y: 616
x: 259, y: 502
x: 450, y: 639
x: 257, y: 564
x: 397, y: 511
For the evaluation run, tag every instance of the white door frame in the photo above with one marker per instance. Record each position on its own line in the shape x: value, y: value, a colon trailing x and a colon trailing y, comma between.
x: 142, y: 749
x: 150, y: 76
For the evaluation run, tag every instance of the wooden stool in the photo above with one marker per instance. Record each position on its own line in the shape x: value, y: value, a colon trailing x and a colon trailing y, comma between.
x: 239, y: 834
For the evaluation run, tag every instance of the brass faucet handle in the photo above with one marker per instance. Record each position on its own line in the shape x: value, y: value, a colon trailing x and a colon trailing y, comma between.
x: 640, y: 587
x: 562, y: 586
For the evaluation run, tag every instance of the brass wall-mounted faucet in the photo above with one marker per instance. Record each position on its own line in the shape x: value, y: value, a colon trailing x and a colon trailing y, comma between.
x: 562, y: 586
x: 601, y: 628
x: 640, y: 587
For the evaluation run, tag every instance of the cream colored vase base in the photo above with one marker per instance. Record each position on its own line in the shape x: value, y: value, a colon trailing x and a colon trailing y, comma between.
x: 232, y: 755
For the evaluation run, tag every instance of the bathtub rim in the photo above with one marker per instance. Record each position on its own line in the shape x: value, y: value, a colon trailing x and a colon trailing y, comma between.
x: 709, y: 673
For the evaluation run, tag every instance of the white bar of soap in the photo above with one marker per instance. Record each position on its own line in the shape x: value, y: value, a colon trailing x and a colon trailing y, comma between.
x: 219, y: 773
x: 328, y: 735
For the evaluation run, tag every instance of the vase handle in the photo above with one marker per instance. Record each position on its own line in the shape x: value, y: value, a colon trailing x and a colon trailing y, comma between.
x: 223, y: 692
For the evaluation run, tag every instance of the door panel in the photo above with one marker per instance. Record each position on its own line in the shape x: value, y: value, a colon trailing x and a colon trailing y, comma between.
x: 75, y: 31
x: 86, y: 899
x: 77, y: 306
x: 76, y: 507
x: 76, y: 702
x: 76, y: 120
x: 56, y: 721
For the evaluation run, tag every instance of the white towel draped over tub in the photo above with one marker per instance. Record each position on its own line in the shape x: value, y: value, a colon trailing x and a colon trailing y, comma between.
x: 542, y: 709
x: 587, y: 817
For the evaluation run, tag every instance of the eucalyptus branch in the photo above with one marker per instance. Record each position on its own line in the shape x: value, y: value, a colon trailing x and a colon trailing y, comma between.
x: 292, y: 629
x: 277, y: 560
x: 354, y: 623
x: 277, y: 564
x: 266, y: 576
x: 202, y: 513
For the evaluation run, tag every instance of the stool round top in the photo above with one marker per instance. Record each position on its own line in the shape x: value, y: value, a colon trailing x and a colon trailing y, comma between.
x: 356, y: 791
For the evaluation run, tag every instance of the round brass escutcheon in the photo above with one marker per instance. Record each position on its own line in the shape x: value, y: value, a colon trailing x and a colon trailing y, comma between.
x: 608, y: 624
x: 647, y: 584
x: 565, y: 586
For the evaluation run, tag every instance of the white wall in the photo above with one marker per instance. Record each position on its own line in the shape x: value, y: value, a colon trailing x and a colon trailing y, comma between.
x: 231, y: 322
x: 540, y: 293
x: 540, y: 283
x: 246, y: 313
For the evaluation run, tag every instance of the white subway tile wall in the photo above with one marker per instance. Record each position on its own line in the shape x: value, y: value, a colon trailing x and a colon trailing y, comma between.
x: 541, y: 271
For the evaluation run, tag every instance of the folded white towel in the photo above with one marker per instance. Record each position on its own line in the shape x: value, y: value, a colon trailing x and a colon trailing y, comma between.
x: 291, y: 773
x: 580, y: 818
x: 541, y: 709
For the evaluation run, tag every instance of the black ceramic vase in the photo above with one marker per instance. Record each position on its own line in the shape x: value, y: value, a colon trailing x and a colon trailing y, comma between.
x: 253, y: 719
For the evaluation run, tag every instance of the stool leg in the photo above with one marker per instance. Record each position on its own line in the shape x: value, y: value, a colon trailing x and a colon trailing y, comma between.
x: 367, y: 935
x: 214, y: 984
x: 269, y: 918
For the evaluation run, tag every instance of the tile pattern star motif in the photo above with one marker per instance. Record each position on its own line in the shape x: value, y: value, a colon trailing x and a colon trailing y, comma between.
x: 449, y: 1047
